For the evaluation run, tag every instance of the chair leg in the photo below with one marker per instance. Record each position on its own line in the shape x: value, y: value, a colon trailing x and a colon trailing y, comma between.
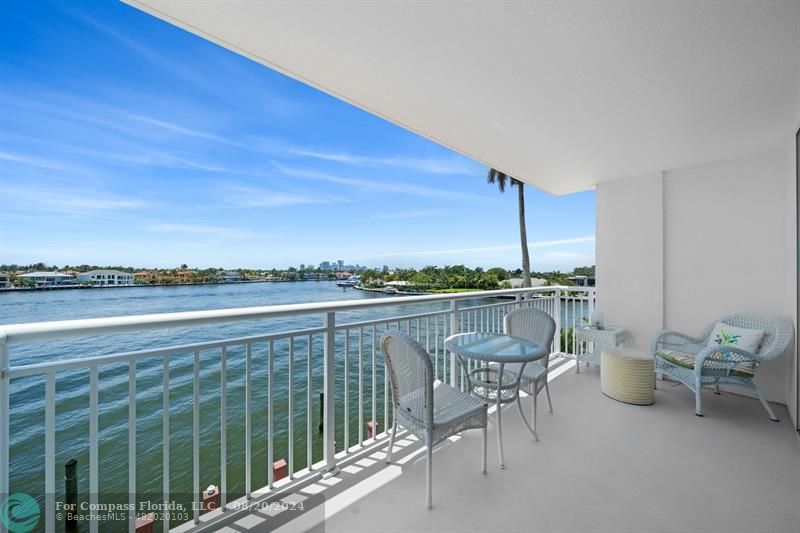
x: 698, y: 398
x: 716, y: 389
x: 535, y: 395
x: 429, y: 476
x: 764, y: 403
x: 547, y: 391
x: 391, y: 441
x: 522, y: 416
x: 483, y: 450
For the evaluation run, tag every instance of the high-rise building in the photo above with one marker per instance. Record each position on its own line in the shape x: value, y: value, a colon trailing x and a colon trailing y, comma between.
x: 302, y: 266
x: 339, y: 265
x: 325, y: 265
x: 386, y: 268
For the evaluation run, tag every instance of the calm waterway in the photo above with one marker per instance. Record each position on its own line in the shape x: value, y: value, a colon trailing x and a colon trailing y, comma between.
x: 72, y: 411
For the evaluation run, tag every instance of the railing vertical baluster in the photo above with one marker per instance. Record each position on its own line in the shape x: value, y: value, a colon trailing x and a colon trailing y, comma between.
x: 329, y: 386
x: 386, y: 393
x: 309, y: 382
x: 290, y: 435
x: 346, y: 391
x: 361, y: 385
x: 270, y: 450
x: 428, y: 334
x: 165, y: 443
x: 557, y: 318
x: 5, y: 408
x: 196, y: 436
x: 374, y: 414
x: 248, y: 415
x: 49, y: 451
x: 435, y: 345
x: 453, y: 329
x: 418, y: 337
x: 93, y: 448
x: 132, y: 444
x: 223, y: 426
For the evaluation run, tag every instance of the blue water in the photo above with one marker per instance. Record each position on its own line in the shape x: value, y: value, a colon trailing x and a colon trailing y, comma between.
x: 72, y: 422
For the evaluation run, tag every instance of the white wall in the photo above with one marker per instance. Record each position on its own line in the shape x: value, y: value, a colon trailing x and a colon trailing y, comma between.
x: 679, y: 250
x: 630, y: 255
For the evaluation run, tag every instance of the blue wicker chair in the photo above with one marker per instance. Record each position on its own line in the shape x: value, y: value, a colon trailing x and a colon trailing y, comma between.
x: 431, y: 412
x: 539, y: 327
x: 690, y: 361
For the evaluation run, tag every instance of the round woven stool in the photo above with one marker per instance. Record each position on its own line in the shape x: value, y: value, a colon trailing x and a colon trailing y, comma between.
x: 627, y: 375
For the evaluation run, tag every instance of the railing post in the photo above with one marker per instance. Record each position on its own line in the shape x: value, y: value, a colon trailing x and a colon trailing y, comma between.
x: 329, y: 385
x: 4, y: 420
x: 557, y: 318
x: 453, y: 331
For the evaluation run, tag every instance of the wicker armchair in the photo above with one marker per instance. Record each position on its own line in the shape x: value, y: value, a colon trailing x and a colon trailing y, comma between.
x: 690, y: 361
x: 539, y: 327
x: 431, y: 412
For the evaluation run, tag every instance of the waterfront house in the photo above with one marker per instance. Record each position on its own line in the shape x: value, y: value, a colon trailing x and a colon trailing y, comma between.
x: 228, y: 276
x: 106, y: 278
x: 685, y: 119
x: 4, y: 281
x: 582, y: 281
x: 49, y: 279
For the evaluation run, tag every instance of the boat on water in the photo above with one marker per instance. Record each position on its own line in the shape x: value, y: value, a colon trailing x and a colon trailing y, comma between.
x: 390, y: 290
x: 352, y: 281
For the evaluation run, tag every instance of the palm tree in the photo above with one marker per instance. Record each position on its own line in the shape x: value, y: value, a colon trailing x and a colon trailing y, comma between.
x: 501, y: 179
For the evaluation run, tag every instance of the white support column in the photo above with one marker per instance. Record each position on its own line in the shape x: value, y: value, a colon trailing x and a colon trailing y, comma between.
x: 329, y: 387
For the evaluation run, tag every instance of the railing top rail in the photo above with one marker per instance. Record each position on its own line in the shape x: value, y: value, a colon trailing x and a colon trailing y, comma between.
x: 41, y: 331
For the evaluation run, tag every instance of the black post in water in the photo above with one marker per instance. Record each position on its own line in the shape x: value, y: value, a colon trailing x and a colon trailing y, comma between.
x: 71, y: 490
x: 321, y: 410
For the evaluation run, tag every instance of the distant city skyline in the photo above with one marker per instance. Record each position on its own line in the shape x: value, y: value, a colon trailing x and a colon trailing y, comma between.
x: 127, y: 141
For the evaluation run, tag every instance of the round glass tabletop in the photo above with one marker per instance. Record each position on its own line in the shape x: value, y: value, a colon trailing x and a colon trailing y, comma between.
x: 494, y: 347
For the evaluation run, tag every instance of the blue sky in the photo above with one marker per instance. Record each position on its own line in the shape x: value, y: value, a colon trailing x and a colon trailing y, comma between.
x: 125, y: 140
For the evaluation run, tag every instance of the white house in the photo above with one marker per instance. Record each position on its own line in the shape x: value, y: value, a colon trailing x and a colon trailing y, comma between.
x: 229, y: 276
x: 49, y: 279
x: 106, y: 278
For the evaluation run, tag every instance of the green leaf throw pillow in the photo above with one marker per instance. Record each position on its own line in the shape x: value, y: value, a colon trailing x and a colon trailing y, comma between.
x: 745, y: 339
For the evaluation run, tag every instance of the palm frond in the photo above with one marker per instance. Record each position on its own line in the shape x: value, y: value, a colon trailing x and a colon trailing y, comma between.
x: 495, y: 176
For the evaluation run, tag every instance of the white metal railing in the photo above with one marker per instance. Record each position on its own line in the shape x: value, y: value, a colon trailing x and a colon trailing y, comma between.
x: 348, y: 352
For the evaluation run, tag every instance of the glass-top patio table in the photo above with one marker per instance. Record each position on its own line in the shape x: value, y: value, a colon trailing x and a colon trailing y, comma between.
x: 494, y: 382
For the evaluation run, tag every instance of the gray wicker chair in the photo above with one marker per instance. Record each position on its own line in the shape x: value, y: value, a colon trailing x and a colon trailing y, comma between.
x: 430, y: 412
x: 690, y: 361
x: 539, y: 327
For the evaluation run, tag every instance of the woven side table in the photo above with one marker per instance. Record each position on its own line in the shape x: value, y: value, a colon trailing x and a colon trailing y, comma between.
x: 627, y: 375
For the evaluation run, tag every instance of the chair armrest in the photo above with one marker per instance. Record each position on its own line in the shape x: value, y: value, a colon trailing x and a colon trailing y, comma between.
x: 720, y: 355
x: 672, y: 340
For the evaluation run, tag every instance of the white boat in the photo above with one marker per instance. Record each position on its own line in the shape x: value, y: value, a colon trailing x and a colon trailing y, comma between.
x: 352, y: 281
x: 390, y: 290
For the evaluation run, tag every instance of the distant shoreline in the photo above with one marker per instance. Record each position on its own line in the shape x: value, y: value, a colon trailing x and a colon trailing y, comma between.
x: 141, y: 285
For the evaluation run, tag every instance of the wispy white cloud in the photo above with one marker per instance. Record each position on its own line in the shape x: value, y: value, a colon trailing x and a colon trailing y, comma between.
x: 427, y: 165
x: 419, y: 213
x: 243, y: 196
x: 70, y: 202
x: 37, y: 162
x: 375, y: 185
x: 482, y: 249
x: 200, y: 230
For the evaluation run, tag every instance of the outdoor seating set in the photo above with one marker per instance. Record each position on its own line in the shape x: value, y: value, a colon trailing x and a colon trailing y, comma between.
x: 514, y: 360
x: 726, y: 352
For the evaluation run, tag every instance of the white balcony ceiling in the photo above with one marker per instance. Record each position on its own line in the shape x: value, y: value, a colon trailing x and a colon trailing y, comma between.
x: 561, y: 94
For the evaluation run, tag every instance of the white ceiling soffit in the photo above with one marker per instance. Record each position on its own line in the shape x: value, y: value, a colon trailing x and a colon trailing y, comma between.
x: 563, y: 95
